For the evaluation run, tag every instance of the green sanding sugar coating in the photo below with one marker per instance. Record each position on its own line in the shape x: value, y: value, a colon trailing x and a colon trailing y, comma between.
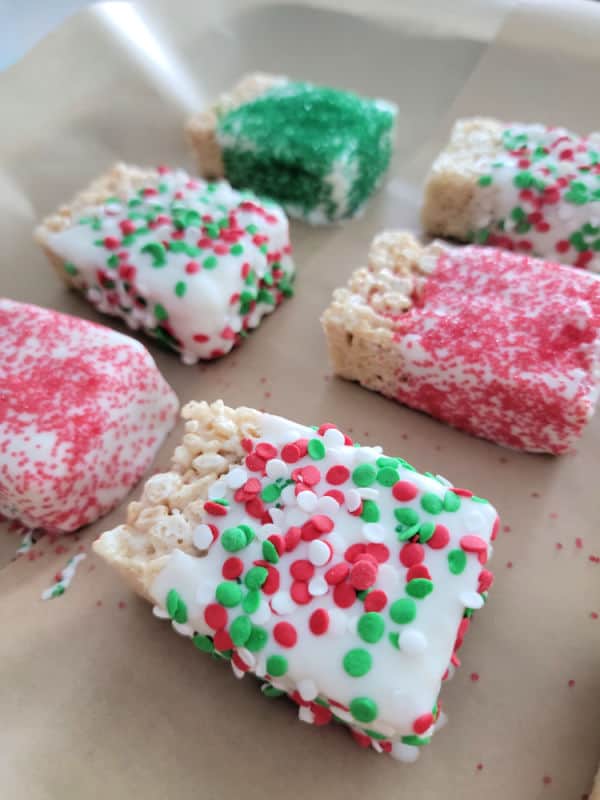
x: 318, y: 151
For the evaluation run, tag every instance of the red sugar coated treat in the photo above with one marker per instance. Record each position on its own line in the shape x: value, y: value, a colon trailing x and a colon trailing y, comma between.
x: 363, y: 574
x: 319, y: 622
x: 344, y: 595
x: 76, y: 446
x: 337, y: 574
x: 411, y: 554
x: 215, y: 616
x: 232, y: 568
x: 404, y: 491
x: 423, y: 723
x: 285, y: 634
x: 376, y: 600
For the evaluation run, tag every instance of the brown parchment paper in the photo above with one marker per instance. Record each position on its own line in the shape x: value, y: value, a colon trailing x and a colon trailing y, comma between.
x: 98, y: 698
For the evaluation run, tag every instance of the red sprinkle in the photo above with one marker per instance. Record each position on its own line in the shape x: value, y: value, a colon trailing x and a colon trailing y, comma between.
x: 422, y: 723
x: 222, y: 640
x: 302, y: 569
x: 215, y: 509
x: 404, y: 491
x: 411, y: 554
x: 337, y: 573
x: 376, y: 600
x: 344, y: 595
x: 215, y: 616
x: 440, y: 538
x: 337, y: 475
x: 285, y: 634
x: 292, y: 537
x: 232, y: 568
x: 299, y: 592
x: 266, y: 451
x: 473, y: 544
x: 363, y: 574
x: 255, y: 463
x: 378, y: 551
x: 418, y: 571
x: 337, y: 496
x: 322, y: 523
x: 354, y: 551
x: 319, y: 622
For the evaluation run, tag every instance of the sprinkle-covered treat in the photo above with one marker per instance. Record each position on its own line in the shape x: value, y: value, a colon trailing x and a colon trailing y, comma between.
x: 526, y: 188
x: 495, y: 343
x: 318, y: 151
x: 83, y: 410
x: 337, y: 575
x: 195, y: 264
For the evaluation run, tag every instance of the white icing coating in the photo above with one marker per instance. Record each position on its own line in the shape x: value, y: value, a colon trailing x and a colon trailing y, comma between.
x: 405, y: 676
x: 200, y: 310
x: 66, y: 577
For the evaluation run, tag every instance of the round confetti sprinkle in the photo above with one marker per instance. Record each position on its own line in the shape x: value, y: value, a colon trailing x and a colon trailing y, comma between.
x: 229, y: 594
x: 363, y: 574
x: 419, y: 587
x: 457, y: 561
x: 439, y: 538
x: 316, y: 449
x: 375, y: 600
x: 277, y: 666
x: 411, y: 554
x: 233, y: 539
x: 300, y: 593
x: 404, y: 491
x: 380, y: 552
x: 319, y: 622
x: 387, y: 476
x: 371, y: 627
x: 257, y: 640
x: 337, y: 573
x: 285, y: 635
x: 251, y: 601
x: 407, y: 516
x: 255, y: 577
x: 319, y: 553
x: 403, y: 610
x: 370, y: 511
x: 232, y: 568
x: 215, y: 616
x: 423, y: 723
x: 203, y: 643
x: 432, y: 503
x: 302, y: 569
x: 363, y: 709
x: 240, y: 630
x: 344, y: 595
x: 418, y: 571
x: 222, y: 641
x: 364, y: 475
x: 357, y: 662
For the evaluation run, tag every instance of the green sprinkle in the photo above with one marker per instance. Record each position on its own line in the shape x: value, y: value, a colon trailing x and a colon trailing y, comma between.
x: 180, y: 288
x: 229, y: 594
x: 371, y: 627
x: 404, y: 533
x: 403, y: 611
x: 210, y: 262
x: 176, y: 607
x: 160, y: 312
x: 357, y: 662
x: 236, y: 250
x: 362, y: 593
x: 251, y: 601
x: 432, y: 503
x: 233, y: 539
x: 457, y: 561
x: 257, y: 639
x: 419, y: 587
x: 363, y: 709
x: 270, y: 493
x: 316, y: 449
x: 386, y: 461
x: 387, y: 476
x: 482, y: 500
x: 407, y: 516
x: 158, y: 253
x: 523, y: 180
x: 485, y: 180
x: 370, y: 511
x: 248, y: 532
x: 70, y: 269
x: 451, y: 501
x: 240, y: 630
x: 265, y: 296
x: 203, y: 643
x: 416, y: 741
x: 394, y: 639
x: 251, y: 228
x: 113, y: 261
x: 277, y: 666
x: 212, y: 231
x: 518, y: 214
x: 271, y: 691
x: 426, y: 531
x: 255, y: 577
x: 364, y: 475
x: 269, y: 552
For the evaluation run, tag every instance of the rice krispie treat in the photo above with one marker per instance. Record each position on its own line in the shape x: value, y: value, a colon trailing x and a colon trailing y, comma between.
x: 318, y: 151
x: 498, y: 344
x: 195, y: 264
x: 526, y: 188
x: 337, y: 575
x: 83, y: 411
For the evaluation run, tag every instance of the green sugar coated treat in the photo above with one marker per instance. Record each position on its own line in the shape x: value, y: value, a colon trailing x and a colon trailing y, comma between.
x: 363, y: 709
x: 289, y: 142
x: 357, y: 662
x: 277, y: 666
x: 176, y: 607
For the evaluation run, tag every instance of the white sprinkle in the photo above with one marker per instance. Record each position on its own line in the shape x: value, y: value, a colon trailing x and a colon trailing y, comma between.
x: 334, y: 438
x: 327, y: 505
x: 318, y: 553
x: 440, y: 721
x: 217, y: 490
x: 236, y: 477
x: 345, y: 715
x: 205, y: 593
x: 262, y: 614
x: 318, y: 586
x: 246, y: 656
x: 376, y: 746
x: 353, y: 500
x: 406, y: 753
x: 412, y: 642
x: 307, y: 689
x: 282, y: 603
x: 305, y: 715
x: 182, y: 628
x: 471, y: 600
x: 288, y: 495
x: 368, y: 494
x: 239, y: 673
x: 202, y: 537
x: 159, y: 612
x: 373, y: 532
x: 307, y: 501
x: 276, y: 468
x: 268, y: 529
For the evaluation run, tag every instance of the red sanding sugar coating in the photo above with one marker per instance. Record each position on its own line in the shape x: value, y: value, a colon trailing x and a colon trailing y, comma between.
x: 83, y: 410
x: 504, y: 346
